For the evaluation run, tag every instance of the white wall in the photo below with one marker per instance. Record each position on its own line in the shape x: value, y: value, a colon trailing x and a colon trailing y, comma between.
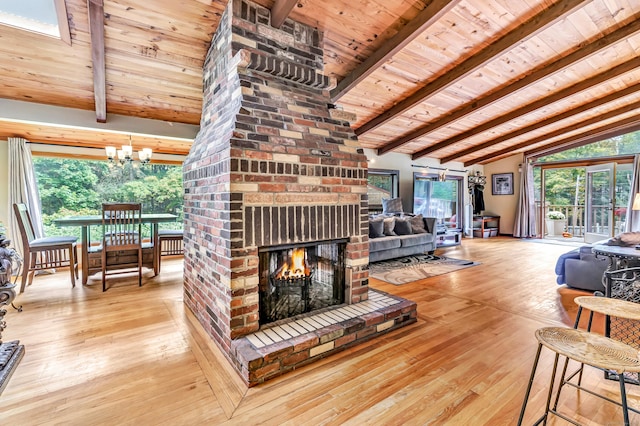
x: 503, y: 205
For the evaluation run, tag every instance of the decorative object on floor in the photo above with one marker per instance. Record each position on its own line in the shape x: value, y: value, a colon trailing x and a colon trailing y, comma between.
x: 10, y: 352
x: 412, y: 268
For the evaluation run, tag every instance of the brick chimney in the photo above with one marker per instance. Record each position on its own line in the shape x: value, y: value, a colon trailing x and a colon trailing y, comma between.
x: 273, y: 164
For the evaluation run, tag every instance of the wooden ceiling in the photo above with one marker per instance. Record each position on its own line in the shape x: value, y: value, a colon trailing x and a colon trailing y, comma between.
x: 457, y: 80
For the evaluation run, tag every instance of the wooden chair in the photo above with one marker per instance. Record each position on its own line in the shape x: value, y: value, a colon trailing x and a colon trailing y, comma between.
x: 122, y: 231
x: 171, y: 243
x: 44, y: 253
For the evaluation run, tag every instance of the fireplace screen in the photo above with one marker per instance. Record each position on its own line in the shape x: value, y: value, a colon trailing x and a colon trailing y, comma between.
x: 300, y: 278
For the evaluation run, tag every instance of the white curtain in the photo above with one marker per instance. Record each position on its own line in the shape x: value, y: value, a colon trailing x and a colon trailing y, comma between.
x: 633, y: 217
x: 23, y: 189
x: 525, y: 221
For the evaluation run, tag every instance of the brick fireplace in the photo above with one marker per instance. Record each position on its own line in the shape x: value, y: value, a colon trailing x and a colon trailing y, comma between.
x: 273, y: 165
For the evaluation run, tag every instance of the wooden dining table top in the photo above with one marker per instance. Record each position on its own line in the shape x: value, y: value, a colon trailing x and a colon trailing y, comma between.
x: 97, y: 219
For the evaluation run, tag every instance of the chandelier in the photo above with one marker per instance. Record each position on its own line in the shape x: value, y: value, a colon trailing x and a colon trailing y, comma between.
x: 125, y: 155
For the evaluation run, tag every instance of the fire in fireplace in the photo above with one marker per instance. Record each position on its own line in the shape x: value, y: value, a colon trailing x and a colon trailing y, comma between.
x: 296, y: 279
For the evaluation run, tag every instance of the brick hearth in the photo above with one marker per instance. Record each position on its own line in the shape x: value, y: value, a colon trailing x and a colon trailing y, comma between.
x: 293, y: 343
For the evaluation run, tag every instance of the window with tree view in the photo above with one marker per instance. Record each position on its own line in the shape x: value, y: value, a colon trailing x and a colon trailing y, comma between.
x: 437, y: 198
x: 71, y: 187
x: 381, y: 184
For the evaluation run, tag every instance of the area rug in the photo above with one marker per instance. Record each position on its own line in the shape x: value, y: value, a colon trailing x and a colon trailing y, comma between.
x: 412, y: 268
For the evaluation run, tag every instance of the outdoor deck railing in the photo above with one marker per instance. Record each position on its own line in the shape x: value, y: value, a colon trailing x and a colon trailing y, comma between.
x: 575, y: 218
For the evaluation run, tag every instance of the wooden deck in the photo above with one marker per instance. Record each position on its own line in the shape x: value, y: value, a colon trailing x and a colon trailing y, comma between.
x: 136, y: 356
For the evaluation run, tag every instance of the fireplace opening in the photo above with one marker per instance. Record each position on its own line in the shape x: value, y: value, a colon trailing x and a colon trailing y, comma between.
x: 300, y: 278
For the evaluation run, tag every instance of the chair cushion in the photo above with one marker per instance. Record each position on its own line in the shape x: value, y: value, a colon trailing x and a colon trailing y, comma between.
x: 171, y: 233
x: 47, y: 241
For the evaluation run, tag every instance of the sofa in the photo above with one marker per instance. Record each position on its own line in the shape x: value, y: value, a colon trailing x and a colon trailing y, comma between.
x: 581, y: 269
x: 400, y: 236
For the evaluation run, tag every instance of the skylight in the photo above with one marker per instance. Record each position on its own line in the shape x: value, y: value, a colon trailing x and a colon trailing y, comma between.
x: 32, y: 15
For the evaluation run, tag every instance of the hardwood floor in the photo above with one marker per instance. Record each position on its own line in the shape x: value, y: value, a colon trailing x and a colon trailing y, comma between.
x: 133, y: 355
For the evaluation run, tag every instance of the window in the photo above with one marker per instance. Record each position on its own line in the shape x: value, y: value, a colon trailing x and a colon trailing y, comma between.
x: 381, y: 184
x: 39, y: 16
x: 79, y: 187
x: 441, y: 199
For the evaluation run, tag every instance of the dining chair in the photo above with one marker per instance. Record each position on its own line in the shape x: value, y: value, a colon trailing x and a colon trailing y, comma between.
x: 171, y: 243
x: 44, y: 253
x: 122, y: 231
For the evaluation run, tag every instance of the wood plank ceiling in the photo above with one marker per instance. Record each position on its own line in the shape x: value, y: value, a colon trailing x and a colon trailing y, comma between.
x: 457, y: 80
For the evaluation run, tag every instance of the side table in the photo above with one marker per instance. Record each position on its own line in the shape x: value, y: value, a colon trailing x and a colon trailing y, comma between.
x: 451, y: 237
x: 482, y: 228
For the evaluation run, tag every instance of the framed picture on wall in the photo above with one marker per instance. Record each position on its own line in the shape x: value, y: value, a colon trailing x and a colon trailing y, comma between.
x: 502, y: 184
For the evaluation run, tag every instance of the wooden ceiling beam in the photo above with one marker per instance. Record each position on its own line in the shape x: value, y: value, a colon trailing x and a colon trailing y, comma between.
x: 427, y: 16
x: 543, y: 123
x: 525, y: 109
x: 530, y: 28
x: 63, y: 21
x: 96, y: 28
x: 620, y: 128
x: 543, y: 71
x: 280, y: 10
x: 617, y: 128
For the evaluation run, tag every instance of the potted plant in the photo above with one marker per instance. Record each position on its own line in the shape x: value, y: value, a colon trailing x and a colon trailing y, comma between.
x: 555, y: 223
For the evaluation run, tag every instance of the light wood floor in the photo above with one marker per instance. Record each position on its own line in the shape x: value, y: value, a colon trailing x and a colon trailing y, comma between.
x: 133, y: 355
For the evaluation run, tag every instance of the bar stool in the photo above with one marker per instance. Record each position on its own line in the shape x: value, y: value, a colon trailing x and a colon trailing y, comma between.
x: 587, y: 348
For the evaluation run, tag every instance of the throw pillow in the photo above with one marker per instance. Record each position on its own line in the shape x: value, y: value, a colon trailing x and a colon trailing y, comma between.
x: 389, y: 224
x: 376, y: 228
x: 403, y: 227
x: 417, y: 225
x: 392, y: 205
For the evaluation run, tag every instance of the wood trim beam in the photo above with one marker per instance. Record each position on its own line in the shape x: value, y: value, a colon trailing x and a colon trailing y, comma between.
x: 96, y: 28
x: 541, y: 72
x: 618, y: 128
x: 63, y: 21
x: 525, y: 109
x: 530, y: 28
x: 427, y: 16
x: 620, y: 159
x: 280, y: 10
x: 553, y: 119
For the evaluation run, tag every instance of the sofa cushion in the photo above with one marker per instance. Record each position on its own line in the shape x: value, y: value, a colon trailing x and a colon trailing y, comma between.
x: 384, y: 243
x: 415, y: 239
x: 376, y: 227
x: 417, y: 225
x: 402, y: 227
x: 389, y: 224
x: 392, y: 205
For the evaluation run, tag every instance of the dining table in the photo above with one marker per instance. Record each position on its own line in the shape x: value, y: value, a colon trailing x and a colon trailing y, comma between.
x: 90, y: 266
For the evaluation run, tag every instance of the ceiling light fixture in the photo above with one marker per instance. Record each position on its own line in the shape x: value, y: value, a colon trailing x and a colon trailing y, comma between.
x: 125, y: 155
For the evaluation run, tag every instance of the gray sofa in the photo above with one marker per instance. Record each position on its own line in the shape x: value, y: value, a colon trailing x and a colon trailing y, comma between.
x: 390, y: 247
x: 581, y: 269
